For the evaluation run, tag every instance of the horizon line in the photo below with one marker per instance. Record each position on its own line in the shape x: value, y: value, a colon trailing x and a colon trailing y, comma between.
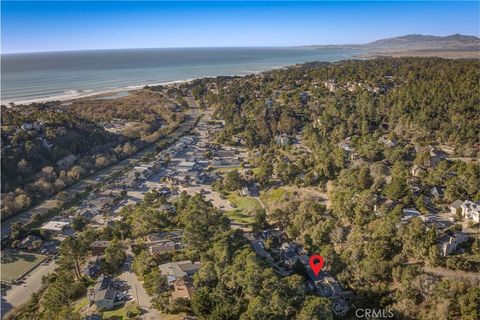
x: 236, y: 46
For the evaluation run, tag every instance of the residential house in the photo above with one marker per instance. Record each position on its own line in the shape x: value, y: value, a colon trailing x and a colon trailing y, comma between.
x: 167, y: 208
x: 98, y: 247
x: 330, y: 85
x: 408, y: 214
x: 103, y: 295
x: 456, y: 206
x: 471, y: 211
x: 250, y: 190
x: 179, y: 269
x: 163, y: 247
x: 57, y: 227
x: 437, y: 192
x: 92, y: 269
x: 346, y: 145
x: 449, y: 242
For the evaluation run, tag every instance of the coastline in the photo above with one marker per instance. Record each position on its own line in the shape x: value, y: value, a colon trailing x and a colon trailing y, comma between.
x: 231, y: 69
x: 89, y: 94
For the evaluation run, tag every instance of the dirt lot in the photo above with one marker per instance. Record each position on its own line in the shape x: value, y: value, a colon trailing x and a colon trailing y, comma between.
x: 210, y: 195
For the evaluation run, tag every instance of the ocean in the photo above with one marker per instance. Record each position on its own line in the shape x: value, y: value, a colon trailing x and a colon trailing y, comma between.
x: 27, y: 77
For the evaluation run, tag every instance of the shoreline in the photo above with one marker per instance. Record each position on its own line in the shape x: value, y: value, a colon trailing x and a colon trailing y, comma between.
x: 87, y: 94
x: 66, y: 97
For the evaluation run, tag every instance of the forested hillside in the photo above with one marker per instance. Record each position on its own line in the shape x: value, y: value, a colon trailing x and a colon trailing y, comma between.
x: 378, y: 138
x: 47, y: 147
x: 419, y: 100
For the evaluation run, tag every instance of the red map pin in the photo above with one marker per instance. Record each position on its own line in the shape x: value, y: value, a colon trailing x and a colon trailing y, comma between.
x: 316, y: 263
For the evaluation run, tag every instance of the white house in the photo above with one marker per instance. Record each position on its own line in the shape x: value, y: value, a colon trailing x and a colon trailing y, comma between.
x: 457, y: 204
x: 471, y: 211
x: 449, y: 242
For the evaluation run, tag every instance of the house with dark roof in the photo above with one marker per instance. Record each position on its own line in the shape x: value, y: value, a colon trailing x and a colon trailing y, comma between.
x: 98, y: 247
x: 93, y: 267
x: 103, y: 295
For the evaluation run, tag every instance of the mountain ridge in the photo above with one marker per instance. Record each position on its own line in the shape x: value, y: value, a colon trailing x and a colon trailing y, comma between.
x: 415, y: 42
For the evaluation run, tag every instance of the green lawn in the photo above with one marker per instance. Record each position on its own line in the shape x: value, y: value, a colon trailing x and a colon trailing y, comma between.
x: 273, y: 195
x: 245, y: 208
x: 15, y: 263
x: 239, y: 217
x: 80, y: 304
x: 121, y: 311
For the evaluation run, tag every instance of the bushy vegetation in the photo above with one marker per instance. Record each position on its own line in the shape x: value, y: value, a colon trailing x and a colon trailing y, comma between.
x: 48, y: 147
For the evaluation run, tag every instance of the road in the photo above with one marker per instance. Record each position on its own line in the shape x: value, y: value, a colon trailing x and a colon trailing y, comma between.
x: 91, y: 181
x: 19, y: 294
x: 459, y: 275
x: 136, y: 290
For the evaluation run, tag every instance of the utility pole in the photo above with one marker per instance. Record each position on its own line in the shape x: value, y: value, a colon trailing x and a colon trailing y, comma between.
x: 136, y: 292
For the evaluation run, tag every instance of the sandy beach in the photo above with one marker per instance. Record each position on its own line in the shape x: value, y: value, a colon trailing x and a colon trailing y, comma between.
x: 86, y: 94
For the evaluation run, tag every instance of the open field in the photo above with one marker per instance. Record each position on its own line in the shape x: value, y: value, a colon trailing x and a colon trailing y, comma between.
x: 17, y: 263
x: 244, y: 210
x: 277, y: 198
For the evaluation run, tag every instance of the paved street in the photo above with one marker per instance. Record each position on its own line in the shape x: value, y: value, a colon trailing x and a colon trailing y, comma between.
x: 136, y: 289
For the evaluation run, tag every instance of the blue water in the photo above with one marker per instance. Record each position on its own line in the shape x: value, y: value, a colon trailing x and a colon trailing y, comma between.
x: 39, y: 75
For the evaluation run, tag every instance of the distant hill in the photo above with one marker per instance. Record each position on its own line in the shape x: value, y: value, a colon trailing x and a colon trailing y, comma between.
x: 426, y: 42
x: 416, y: 43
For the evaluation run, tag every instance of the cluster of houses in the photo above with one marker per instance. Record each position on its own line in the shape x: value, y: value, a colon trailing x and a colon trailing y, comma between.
x: 333, y: 86
x: 448, y: 240
x: 139, y: 174
x: 469, y: 210
x: 37, y: 128
x: 285, y: 256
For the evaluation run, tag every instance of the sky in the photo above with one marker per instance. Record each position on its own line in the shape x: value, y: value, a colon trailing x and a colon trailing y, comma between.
x: 87, y: 25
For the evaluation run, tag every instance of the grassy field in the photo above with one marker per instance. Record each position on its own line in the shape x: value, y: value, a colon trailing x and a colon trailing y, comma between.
x: 280, y: 197
x: 122, y: 311
x: 245, y: 208
x: 274, y: 197
x: 16, y: 263
x: 80, y: 304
